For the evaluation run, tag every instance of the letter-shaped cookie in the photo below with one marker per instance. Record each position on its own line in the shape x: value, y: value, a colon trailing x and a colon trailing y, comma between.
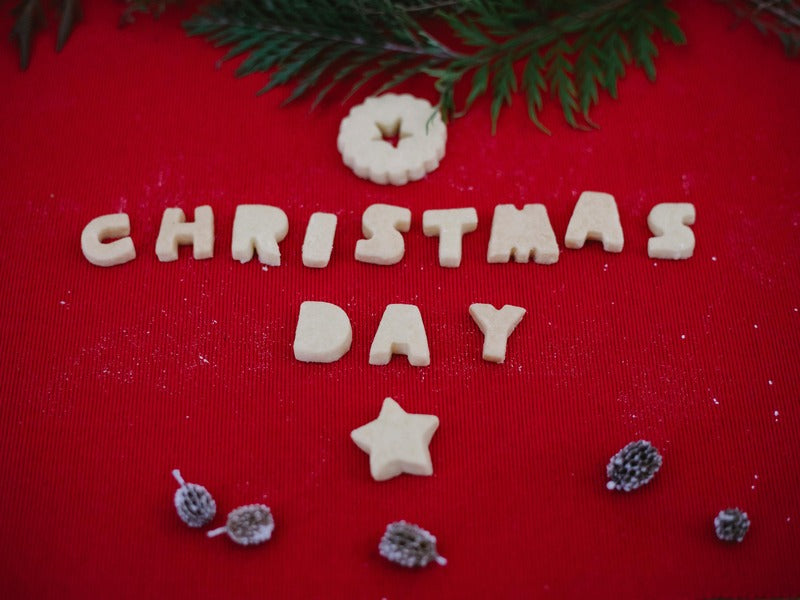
x: 110, y: 253
x: 323, y: 333
x: 259, y: 227
x: 401, y: 331
x: 450, y: 225
x: 595, y: 218
x: 318, y: 243
x: 175, y: 230
x: 496, y: 326
x: 668, y: 221
x: 522, y: 233
x: 381, y: 224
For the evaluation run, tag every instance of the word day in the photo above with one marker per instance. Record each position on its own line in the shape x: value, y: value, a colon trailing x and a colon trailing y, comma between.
x: 324, y: 333
x: 521, y: 234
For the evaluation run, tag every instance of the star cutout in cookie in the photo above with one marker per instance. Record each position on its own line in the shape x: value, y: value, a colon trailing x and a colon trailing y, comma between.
x: 397, y: 442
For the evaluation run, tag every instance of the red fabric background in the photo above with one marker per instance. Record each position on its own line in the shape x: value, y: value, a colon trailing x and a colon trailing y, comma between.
x: 111, y: 377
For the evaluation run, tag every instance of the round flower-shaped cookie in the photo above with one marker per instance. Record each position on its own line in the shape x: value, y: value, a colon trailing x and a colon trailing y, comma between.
x: 418, y: 126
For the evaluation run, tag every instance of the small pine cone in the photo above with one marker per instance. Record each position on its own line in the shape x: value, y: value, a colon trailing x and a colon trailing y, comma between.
x: 194, y: 504
x: 248, y: 525
x: 731, y: 525
x: 409, y: 545
x: 633, y: 466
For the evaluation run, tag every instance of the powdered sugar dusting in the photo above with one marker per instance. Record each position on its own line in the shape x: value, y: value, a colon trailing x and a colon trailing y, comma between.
x: 685, y: 183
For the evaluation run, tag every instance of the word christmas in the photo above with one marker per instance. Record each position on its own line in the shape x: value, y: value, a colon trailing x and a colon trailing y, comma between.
x: 522, y: 233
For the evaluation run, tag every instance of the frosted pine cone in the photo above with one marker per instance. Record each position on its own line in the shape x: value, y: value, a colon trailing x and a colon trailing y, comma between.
x: 633, y: 466
x: 731, y: 525
x: 248, y: 525
x: 193, y: 503
x: 409, y: 545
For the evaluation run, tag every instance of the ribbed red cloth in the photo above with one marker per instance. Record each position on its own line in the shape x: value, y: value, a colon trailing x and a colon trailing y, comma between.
x: 110, y: 378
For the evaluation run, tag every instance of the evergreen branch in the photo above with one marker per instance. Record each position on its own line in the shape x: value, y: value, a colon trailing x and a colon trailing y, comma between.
x: 154, y: 7
x: 588, y: 74
x: 602, y: 34
x: 505, y: 85
x: 777, y: 17
x: 306, y: 21
x: 71, y: 13
x: 559, y: 74
x: 311, y: 41
x: 421, y: 6
x: 534, y: 84
x: 29, y: 19
x: 570, y: 48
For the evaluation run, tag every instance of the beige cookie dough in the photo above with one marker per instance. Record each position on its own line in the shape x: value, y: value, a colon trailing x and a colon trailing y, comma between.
x: 595, y: 218
x: 323, y: 333
x: 401, y: 331
x: 318, y: 243
x: 107, y: 254
x: 668, y: 222
x: 397, y: 442
x: 175, y: 230
x: 258, y: 227
x: 421, y: 131
x: 381, y: 225
x: 450, y: 225
x: 522, y: 233
x: 497, y: 326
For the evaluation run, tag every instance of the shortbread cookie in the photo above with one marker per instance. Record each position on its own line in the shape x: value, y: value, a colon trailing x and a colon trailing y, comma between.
x: 401, y: 331
x: 176, y: 231
x: 381, y: 225
x: 107, y: 254
x: 397, y: 442
x: 668, y: 222
x: 497, y: 326
x: 595, y: 218
x: 258, y: 227
x: 522, y: 234
x: 323, y: 333
x: 450, y: 225
x: 422, y: 135
x: 318, y: 243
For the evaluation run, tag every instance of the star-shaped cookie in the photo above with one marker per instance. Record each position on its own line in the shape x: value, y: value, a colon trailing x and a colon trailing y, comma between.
x: 397, y: 442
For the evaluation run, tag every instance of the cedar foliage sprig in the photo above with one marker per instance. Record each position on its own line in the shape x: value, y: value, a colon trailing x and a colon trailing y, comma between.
x: 30, y: 16
x: 307, y: 41
x: 570, y: 49
x: 778, y: 17
x: 154, y: 7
